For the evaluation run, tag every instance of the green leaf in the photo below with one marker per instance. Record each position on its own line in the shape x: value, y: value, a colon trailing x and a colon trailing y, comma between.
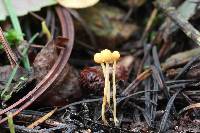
x: 22, y: 7
x: 12, y: 36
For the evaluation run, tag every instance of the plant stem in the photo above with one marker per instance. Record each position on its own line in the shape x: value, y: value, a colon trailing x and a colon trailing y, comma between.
x: 12, y: 75
x: 14, y: 71
x: 13, y: 17
x: 17, y: 27
x: 11, y: 123
x: 45, y: 30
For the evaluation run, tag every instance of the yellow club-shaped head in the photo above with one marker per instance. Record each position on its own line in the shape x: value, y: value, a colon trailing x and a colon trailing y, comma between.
x: 115, y: 55
x: 98, y: 58
x: 106, y: 55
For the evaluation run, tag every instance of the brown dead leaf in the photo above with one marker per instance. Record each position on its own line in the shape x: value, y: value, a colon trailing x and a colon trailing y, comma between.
x: 65, y: 88
x: 44, y: 61
x: 106, y: 24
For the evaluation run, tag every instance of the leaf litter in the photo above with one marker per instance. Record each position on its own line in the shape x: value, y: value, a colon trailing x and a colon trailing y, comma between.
x: 157, y: 77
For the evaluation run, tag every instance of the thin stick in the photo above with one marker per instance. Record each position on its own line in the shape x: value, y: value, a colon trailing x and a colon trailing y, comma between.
x: 185, y: 26
x: 42, y: 119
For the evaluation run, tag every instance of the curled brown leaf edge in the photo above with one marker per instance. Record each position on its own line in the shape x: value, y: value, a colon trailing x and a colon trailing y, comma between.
x: 67, y: 27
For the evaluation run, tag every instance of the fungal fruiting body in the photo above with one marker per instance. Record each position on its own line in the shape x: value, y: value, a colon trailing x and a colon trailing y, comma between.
x: 107, y: 57
x: 115, y: 57
x: 98, y: 58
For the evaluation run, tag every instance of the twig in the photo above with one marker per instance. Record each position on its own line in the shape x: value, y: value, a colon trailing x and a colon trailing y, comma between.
x: 185, y: 26
x: 138, y: 79
x: 42, y: 119
x: 191, y: 106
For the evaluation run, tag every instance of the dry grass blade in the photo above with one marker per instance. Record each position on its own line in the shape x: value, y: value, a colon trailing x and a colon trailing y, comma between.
x: 147, y: 94
x: 186, y: 67
x: 42, y: 119
x: 157, y: 76
x: 161, y: 80
x: 154, y: 100
x: 167, y: 111
x: 191, y: 106
x: 138, y: 79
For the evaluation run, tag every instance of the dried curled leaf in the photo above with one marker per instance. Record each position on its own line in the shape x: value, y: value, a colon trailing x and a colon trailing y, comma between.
x: 77, y: 3
x: 66, y: 87
x: 105, y: 22
x: 44, y: 61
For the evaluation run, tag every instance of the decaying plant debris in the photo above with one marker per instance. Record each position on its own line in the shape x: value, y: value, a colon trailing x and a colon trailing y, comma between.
x: 50, y: 83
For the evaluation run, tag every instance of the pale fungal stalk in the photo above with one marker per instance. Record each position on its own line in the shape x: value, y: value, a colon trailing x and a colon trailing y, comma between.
x: 108, y: 84
x: 98, y: 58
x: 105, y: 96
x: 107, y: 57
x: 115, y: 56
x: 104, y: 107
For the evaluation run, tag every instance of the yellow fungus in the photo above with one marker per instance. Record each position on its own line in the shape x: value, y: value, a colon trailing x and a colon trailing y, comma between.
x: 98, y: 58
x: 107, y: 57
x: 115, y: 55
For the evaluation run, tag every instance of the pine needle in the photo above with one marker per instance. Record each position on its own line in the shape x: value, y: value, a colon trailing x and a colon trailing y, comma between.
x: 42, y: 119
